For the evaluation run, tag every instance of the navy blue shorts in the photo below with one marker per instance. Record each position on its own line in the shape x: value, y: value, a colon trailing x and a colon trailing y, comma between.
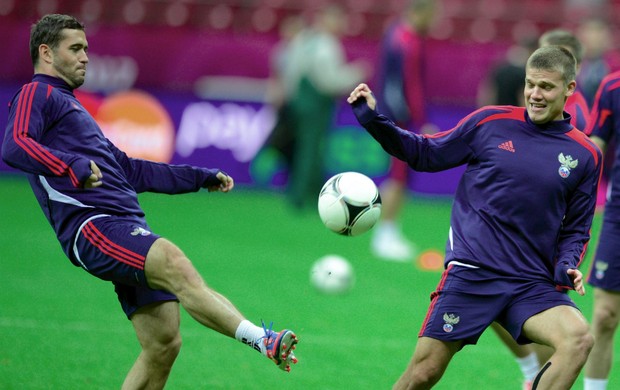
x: 114, y: 249
x: 468, y: 300
x: 605, y: 269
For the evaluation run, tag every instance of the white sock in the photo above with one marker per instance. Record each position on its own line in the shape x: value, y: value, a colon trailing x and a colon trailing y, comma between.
x: 388, y: 225
x: 251, y: 335
x: 594, y: 384
x: 529, y: 366
x: 386, y: 228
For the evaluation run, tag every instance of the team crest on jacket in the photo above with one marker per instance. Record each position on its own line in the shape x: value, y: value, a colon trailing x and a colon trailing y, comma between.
x: 600, y: 268
x: 566, y: 164
x: 450, y: 320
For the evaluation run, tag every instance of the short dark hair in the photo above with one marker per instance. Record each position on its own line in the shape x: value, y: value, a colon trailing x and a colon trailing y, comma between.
x: 565, y: 38
x: 554, y: 58
x: 48, y: 31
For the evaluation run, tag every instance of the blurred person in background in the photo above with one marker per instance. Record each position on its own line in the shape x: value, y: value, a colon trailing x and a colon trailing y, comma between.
x: 282, y: 138
x: 88, y: 190
x: 599, y: 56
x: 504, y: 84
x: 401, y: 87
x: 317, y: 76
x: 604, y: 274
x: 599, y: 59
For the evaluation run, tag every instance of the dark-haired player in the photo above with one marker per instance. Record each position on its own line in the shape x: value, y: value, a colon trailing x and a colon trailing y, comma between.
x: 88, y: 189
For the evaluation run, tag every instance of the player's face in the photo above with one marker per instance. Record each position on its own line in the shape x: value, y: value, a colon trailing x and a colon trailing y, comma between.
x: 70, y: 58
x: 545, y: 95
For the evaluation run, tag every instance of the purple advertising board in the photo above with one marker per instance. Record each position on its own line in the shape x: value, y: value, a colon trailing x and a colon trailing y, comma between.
x: 231, y: 135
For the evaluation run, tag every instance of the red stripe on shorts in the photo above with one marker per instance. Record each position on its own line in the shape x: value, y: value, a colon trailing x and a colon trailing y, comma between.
x: 105, y: 245
x: 434, y: 297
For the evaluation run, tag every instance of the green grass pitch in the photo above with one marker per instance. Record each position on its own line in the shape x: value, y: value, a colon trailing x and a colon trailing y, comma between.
x: 60, y: 328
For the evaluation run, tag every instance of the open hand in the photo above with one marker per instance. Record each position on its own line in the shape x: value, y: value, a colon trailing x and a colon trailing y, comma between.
x: 577, y: 277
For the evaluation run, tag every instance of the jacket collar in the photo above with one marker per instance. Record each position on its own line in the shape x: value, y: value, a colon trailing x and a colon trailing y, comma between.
x: 560, y: 126
x: 55, y: 82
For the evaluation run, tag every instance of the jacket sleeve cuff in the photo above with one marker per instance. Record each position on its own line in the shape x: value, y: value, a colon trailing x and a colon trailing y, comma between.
x: 82, y: 171
x: 363, y: 113
x: 211, y: 177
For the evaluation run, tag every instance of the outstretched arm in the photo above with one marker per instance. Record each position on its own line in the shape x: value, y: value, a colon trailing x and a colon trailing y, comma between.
x: 423, y: 153
x: 150, y: 176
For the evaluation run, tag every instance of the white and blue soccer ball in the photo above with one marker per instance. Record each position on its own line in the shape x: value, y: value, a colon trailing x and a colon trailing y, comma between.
x: 349, y: 203
x: 332, y: 274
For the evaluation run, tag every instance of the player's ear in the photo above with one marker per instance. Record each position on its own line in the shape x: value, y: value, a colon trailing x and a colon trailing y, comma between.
x: 45, y: 54
x: 571, y: 88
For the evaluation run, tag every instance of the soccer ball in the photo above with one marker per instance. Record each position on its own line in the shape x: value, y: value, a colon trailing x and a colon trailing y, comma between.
x: 349, y: 203
x: 332, y: 274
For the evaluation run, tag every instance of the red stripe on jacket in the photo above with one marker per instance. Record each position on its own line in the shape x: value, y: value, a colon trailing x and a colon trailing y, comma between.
x: 28, y: 144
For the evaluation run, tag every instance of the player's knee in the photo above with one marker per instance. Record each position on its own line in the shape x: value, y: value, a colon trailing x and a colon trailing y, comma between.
x: 170, y: 351
x: 164, y: 351
x: 425, y: 379
x: 606, y: 319
x: 426, y: 375
x: 587, y: 342
x: 580, y: 343
x: 172, y: 348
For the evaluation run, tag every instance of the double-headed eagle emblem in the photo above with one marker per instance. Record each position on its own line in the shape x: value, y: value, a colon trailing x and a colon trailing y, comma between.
x: 566, y: 164
x: 450, y: 320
